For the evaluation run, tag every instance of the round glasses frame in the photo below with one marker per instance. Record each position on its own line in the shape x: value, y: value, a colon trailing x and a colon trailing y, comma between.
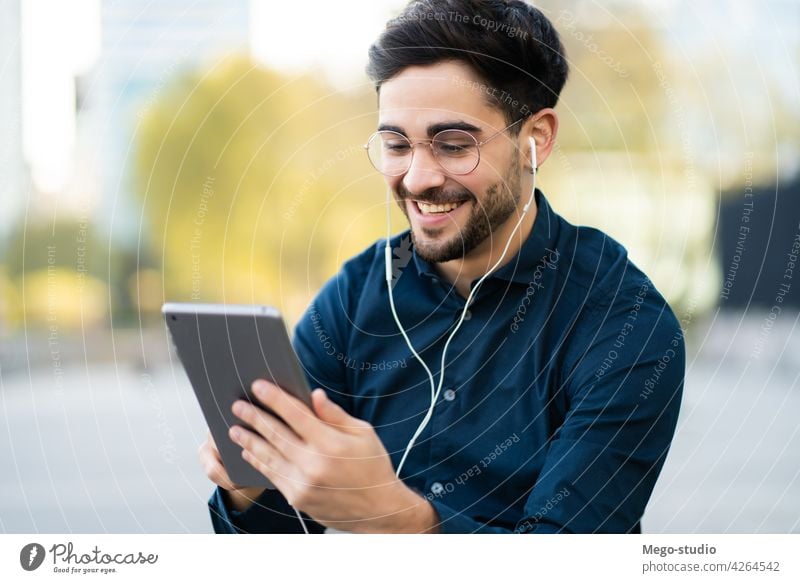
x: 432, y: 143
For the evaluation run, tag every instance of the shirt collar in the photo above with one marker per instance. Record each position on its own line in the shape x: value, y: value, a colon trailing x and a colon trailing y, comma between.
x: 540, y: 244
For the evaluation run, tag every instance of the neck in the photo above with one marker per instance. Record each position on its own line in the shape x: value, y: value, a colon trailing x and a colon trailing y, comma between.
x: 463, y: 271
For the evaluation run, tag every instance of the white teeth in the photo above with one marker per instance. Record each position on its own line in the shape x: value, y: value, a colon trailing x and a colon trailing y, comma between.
x: 437, y: 208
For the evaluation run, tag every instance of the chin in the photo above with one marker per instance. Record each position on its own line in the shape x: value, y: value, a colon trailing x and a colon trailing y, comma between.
x: 438, y: 249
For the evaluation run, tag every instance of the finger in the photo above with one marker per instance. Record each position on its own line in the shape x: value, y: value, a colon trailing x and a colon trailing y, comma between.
x: 270, y: 427
x: 212, y: 447
x: 213, y: 468
x: 213, y: 460
x: 219, y: 475
x: 293, y: 412
x: 261, y: 455
x: 278, y: 479
x: 255, y: 444
x: 333, y: 414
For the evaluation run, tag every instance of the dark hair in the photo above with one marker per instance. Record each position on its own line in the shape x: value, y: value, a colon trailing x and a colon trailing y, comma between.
x: 511, y: 46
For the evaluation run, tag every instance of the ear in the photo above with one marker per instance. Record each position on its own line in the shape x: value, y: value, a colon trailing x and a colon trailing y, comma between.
x: 543, y: 128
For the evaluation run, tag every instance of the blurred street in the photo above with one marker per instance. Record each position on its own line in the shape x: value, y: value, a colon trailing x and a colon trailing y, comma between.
x: 734, y: 466
x: 101, y: 449
x: 112, y: 448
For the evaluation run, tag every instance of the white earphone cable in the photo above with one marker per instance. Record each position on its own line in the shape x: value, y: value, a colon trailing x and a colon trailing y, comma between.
x: 388, y: 268
x: 436, y: 390
x: 300, y: 518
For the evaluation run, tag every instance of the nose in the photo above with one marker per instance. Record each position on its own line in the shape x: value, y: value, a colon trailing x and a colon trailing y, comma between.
x: 424, y: 172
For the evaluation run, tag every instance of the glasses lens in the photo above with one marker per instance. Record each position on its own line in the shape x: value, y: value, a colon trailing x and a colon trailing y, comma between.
x: 389, y: 152
x: 456, y: 151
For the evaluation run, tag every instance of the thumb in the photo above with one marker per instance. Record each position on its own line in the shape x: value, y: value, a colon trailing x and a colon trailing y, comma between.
x: 330, y: 412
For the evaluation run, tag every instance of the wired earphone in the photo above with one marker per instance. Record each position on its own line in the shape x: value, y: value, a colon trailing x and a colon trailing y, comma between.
x: 388, y: 268
x: 435, y: 390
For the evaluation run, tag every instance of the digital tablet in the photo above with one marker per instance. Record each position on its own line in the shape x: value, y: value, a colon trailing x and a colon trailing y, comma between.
x: 224, y: 348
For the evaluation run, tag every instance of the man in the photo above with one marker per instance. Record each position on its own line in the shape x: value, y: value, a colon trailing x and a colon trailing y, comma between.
x: 562, y: 385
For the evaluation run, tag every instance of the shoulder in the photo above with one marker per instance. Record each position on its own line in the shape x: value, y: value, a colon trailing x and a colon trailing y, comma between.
x: 616, y: 298
x: 321, y: 336
x: 341, y: 294
x: 596, y: 264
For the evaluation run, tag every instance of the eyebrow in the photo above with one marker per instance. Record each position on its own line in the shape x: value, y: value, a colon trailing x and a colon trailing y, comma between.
x: 435, y: 128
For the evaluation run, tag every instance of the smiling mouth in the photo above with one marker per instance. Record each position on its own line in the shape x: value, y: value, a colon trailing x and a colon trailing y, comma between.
x: 436, y: 209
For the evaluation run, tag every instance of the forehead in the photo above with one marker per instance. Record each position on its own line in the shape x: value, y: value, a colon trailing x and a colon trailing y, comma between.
x: 422, y: 95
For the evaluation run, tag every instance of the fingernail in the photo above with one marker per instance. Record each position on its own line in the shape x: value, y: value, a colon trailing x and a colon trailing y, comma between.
x: 235, y: 433
x: 238, y: 407
x: 261, y: 387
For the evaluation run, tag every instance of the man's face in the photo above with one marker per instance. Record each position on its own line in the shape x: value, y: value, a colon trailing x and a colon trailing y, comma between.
x: 420, y: 101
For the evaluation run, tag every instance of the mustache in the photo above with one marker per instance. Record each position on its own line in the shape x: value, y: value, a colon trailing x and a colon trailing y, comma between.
x: 434, y: 195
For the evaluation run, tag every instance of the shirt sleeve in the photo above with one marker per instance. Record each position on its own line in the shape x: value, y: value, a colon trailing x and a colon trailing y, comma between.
x: 320, y: 341
x: 624, y: 381
x: 269, y: 514
x: 322, y: 335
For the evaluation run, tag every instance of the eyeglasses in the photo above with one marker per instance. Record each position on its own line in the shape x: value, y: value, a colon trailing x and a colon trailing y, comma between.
x: 457, y: 151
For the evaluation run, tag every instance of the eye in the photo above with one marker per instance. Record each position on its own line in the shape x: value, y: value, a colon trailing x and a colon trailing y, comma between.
x: 451, y: 148
x: 396, y: 146
x: 454, y: 143
x: 454, y: 148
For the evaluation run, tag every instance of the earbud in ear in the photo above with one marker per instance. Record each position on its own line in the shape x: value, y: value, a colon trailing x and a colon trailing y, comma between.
x: 533, y: 155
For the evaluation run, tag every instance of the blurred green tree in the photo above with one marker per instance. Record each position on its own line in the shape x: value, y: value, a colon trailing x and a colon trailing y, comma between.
x: 613, y: 100
x: 255, y: 185
x: 59, y: 271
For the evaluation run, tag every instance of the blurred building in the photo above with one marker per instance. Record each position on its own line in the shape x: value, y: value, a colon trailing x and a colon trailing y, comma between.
x: 144, y: 46
x: 758, y: 243
x: 653, y: 206
x: 12, y: 166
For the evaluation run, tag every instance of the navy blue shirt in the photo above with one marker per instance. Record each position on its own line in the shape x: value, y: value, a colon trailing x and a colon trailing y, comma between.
x: 561, y: 391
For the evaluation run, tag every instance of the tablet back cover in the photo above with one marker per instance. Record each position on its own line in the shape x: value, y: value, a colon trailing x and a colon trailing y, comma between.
x: 223, y: 353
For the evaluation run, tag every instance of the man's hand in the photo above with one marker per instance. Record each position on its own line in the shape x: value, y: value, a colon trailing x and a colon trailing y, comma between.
x: 240, y: 498
x: 328, y: 464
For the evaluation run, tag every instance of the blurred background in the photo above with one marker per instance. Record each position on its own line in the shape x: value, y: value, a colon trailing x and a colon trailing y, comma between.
x: 211, y: 151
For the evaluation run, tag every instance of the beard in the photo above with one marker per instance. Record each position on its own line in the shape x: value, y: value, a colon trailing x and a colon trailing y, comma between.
x: 499, y: 202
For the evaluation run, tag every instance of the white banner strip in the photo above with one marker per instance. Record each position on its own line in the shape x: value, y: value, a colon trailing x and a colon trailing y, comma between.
x: 618, y: 558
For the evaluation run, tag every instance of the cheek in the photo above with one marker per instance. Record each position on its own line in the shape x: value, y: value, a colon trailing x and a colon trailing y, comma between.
x: 491, y: 175
x: 496, y: 169
x: 478, y: 186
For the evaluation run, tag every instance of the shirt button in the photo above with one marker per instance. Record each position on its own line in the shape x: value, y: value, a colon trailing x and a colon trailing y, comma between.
x: 449, y: 395
x: 467, y: 315
x: 437, y: 488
